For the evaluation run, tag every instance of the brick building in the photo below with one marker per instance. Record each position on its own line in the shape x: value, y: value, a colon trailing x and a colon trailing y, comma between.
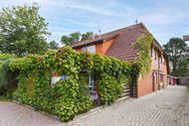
x: 119, y: 44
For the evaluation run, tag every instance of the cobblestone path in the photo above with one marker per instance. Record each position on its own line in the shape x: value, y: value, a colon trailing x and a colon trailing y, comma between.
x: 168, y: 107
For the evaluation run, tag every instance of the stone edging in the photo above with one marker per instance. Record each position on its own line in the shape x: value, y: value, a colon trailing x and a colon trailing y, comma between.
x: 91, y: 112
x: 41, y: 112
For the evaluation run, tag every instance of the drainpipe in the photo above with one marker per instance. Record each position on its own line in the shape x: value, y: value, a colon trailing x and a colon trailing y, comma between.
x: 158, y: 74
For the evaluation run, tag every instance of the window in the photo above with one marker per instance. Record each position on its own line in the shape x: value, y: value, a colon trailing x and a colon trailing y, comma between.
x: 154, y: 78
x: 91, y: 49
x: 84, y: 49
x: 155, y: 54
x: 164, y: 60
x: 64, y: 77
x: 92, y: 88
x: 55, y: 79
x: 151, y: 51
x: 91, y: 84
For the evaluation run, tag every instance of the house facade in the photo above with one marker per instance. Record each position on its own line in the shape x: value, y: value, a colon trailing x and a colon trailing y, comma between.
x: 120, y: 44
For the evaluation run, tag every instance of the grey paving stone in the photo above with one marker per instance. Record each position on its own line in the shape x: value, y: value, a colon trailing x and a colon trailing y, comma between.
x: 168, y: 107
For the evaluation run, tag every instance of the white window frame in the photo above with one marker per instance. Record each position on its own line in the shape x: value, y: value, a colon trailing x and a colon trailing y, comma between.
x: 54, y: 80
x: 91, y: 83
x: 92, y: 88
x: 91, y: 49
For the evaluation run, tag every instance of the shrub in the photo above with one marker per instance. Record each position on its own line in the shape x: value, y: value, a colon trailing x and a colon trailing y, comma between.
x: 110, y: 89
x: 69, y: 97
x: 7, y: 79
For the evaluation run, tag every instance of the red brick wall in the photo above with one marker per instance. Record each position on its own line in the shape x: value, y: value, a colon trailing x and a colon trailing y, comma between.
x: 101, y: 48
x: 145, y: 83
x: 79, y: 49
x: 106, y: 45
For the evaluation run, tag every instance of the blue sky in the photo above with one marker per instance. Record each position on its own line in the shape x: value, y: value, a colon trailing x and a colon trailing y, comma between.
x: 164, y: 18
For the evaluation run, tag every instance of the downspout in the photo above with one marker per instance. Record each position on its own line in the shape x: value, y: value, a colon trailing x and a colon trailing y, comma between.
x: 158, y: 73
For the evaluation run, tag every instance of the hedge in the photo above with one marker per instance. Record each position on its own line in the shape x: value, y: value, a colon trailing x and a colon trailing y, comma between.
x: 67, y: 98
x: 6, y: 76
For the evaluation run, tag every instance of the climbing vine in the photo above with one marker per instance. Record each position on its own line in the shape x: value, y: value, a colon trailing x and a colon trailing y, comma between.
x: 143, y: 45
x: 69, y: 97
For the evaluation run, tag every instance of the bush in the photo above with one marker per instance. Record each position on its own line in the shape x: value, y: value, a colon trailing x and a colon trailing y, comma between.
x: 5, y: 79
x: 68, y: 98
x: 110, y: 89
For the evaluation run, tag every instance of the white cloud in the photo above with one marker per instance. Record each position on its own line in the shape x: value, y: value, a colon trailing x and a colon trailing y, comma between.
x: 164, y: 19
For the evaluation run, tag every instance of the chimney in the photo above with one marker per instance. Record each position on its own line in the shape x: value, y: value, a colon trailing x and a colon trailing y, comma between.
x: 98, y: 35
x: 136, y: 21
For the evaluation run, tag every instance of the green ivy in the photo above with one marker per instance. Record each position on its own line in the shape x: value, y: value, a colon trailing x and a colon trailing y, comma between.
x: 143, y: 45
x: 67, y: 98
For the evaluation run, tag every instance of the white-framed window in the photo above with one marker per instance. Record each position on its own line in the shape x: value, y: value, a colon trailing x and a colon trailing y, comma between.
x: 91, y: 83
x: 91, y: 49
x: 155, y: 53
x: 55, y: 79
x: 92, y: 88
x: 64, y: 77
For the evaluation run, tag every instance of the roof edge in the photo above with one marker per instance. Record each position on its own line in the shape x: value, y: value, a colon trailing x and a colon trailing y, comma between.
x: 87, y: 44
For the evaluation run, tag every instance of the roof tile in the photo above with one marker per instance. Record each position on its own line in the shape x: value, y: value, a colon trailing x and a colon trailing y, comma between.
x: 123, y: 47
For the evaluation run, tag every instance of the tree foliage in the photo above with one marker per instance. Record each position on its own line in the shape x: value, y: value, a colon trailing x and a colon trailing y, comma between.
x: 75, y: 37
x: 53, y: 45
x: 4, y: 57
x: 176, y: 49
x: 6, y: 76
x: 87, y: 35
x: 182, y: 68
x: 23, y: 30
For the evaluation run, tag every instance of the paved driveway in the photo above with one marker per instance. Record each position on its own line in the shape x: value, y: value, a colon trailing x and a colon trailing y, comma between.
x: 168, y: 107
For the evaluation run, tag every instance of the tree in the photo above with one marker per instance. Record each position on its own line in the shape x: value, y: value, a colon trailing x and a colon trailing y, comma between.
x: 176, y: 49
x: 53, y: 45
x: 23, y: 30
x: 87, y: 35
x: 71, y: 38
x: 75, y: 37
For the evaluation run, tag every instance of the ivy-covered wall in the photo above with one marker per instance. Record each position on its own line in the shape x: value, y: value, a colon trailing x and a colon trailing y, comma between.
x: 143, y: 45
x: 69, y: 97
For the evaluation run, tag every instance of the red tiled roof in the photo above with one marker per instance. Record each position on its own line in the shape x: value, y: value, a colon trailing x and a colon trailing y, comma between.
x: 123, y: 47
x: 102, y: 37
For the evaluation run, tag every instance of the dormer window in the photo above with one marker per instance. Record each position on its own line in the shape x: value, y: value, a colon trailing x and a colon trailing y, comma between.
x: 91, y: 49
